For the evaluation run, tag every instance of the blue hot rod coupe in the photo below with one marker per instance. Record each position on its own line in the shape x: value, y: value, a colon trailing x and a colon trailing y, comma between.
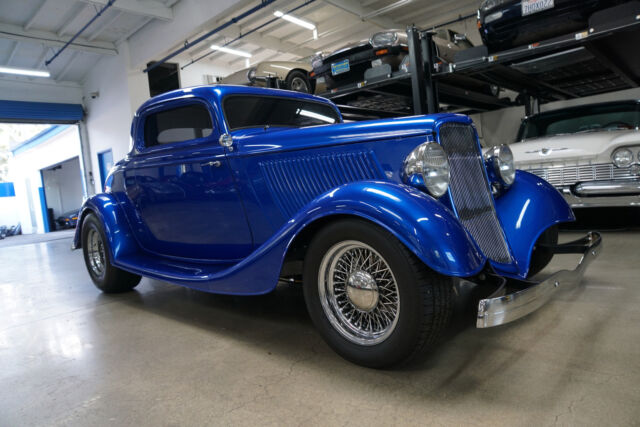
x: 231, y: 189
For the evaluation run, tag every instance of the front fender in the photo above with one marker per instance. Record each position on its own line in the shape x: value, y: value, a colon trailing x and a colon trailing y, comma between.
x: 428, y: 228
x: 116, y: 226
x: 526, y: 210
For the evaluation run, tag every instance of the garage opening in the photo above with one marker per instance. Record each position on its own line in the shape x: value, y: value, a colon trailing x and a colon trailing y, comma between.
x: 62, y: 185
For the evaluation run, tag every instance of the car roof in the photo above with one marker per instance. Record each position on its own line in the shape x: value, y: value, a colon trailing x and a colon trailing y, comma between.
x: 585, y: 107
x: 219, y: 91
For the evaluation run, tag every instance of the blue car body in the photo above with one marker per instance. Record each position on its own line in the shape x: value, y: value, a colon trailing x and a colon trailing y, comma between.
x: 224, y: 219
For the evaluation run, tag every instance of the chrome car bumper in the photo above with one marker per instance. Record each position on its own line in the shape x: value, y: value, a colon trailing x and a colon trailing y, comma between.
x: 593, y: 194
x: 501, y: 308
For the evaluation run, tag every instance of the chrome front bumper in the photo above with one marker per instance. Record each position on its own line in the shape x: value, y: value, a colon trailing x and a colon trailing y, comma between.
x: 606, y: 193
x: 499, y: 308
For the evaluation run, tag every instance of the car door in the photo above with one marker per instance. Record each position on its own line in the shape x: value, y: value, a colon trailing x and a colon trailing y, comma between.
x: 185, y: 202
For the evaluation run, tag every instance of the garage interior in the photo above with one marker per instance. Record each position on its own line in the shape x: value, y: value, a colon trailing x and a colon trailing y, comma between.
x: 163, y: 354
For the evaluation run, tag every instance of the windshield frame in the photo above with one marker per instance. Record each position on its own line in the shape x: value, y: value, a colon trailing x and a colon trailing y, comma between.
x: 576, y: 112
x: 338, y: 116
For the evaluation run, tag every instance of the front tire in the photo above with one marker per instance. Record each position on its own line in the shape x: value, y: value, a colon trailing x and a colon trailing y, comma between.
x: 372, y: 300
x: 542, y: 253
x: 97, y: 258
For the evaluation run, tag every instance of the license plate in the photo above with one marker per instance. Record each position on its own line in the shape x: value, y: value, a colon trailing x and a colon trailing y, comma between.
x: 534, y: 6
x: 340, y: 67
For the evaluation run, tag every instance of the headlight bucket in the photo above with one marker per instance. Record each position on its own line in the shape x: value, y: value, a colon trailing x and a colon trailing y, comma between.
x: 385, y: 38
x: 427, y: 167
x: 500, y: 162
x: 622, y: 157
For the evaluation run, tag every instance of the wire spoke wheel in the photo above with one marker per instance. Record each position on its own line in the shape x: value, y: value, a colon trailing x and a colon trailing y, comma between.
x: 358, y: 292
x: 95, y: 252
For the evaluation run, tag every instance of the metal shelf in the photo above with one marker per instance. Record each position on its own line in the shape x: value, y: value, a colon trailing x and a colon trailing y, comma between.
x: 600, y: 59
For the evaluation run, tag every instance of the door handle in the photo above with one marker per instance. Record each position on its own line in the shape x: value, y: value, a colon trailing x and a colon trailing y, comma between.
x: 215, y: 163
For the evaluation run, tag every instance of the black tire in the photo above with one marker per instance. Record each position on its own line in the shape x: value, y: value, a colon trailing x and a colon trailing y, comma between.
x: 298, y: 81
x: 108, y: 278
x: 541, y: 256
x: 425, y: 297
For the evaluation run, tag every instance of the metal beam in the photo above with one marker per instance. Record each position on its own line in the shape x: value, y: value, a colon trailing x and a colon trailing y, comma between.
x: 14, y: 49
x: 355, y: 8
x: 135, y: 29
x: 47, y: 38
x: 35, y: 15
x: 149, y: 8
x: 67, y: 66
x: 104, y: 25
x: 71, y: 20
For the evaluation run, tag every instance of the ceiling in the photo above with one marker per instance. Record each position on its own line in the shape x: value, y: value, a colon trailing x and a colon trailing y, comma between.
x: 337, y: 22
x: 31, y: 31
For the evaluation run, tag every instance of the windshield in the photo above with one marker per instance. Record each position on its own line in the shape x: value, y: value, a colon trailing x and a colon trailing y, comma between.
x: 588, y: 119
x: 246, y: 111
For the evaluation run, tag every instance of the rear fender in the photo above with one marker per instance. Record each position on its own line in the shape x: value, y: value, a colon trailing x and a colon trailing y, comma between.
x: 526, y: 210
x: 421, y: 223
x: 116, y: 226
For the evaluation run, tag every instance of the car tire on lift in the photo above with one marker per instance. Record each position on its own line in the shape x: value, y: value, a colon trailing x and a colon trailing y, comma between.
x: 373, y: 301
x: 298, y: 81
x: 97, y: 258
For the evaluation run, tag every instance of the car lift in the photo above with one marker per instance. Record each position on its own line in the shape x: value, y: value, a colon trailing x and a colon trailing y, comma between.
x: 600, y: 59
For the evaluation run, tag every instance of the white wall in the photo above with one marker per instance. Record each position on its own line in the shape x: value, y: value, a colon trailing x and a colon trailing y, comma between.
x: 194, y: 74
x: 9, y: 211
x: 108, y: 116
x: 24, y: 171
x: 501, y: 126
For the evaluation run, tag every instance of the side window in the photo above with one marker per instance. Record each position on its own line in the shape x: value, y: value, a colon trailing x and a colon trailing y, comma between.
x: 177, y: 125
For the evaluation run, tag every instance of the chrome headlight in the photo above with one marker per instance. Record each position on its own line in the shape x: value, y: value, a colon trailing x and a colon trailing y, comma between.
x: 501, y: 158
x: 622, y: 157
x: 251, y: 74
x: 316, y: 61
x: 386, y: 38
x: 429, y: 162
x: 487, y: 5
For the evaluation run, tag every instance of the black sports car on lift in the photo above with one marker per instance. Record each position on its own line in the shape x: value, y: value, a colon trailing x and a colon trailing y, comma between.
x: 505, y: 24
x: 349, y: 63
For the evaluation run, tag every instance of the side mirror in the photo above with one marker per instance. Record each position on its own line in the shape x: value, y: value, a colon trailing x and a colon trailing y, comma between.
x: 225, y: 140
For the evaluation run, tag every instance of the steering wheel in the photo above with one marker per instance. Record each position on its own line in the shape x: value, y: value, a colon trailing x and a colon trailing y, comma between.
x: 618, y: 124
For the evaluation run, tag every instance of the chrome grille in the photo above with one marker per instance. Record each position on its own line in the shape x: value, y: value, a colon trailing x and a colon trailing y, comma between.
x: 570, y: 175
x: 470, y: 191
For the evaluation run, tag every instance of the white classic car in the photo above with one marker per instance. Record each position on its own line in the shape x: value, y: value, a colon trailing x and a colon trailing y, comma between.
x: 292, y: 75
x: 590, y: 153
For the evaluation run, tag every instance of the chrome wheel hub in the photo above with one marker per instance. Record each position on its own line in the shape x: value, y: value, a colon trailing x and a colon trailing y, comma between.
x: 358, y: 292
x: 362, y: 290
x: 95, y: 252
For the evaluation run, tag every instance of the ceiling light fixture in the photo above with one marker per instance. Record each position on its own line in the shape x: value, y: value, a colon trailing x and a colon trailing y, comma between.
x: 231, y: 51
x: 294, y: 20
x: 24, y: 72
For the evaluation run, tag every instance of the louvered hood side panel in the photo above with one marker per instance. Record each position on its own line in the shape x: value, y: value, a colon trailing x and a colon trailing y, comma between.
x: 297, y: 180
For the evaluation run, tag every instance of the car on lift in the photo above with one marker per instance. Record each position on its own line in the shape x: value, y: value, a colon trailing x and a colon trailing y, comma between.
x: 378, y: 219
x: 291, y: 75
x: 590, y: 153
x: 505, y: 24
x: 388, y: 49
x: 68, y: 219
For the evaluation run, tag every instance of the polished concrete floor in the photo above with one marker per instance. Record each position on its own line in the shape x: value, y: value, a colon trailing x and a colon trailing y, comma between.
x: 166, y: 355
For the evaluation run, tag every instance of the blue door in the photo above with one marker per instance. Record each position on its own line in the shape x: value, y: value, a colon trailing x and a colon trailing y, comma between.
x: 182, y: 191
x: 105, y: 161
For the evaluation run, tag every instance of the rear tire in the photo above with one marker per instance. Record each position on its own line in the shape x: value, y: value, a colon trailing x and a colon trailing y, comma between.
x: 97, y: 258
x: 372, y: 300
x: 298, y: 81
x: 541, y: 256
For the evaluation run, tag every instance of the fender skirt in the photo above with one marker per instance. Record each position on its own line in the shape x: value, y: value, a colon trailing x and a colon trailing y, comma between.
x: 526, y: 210
x: 428, y: 228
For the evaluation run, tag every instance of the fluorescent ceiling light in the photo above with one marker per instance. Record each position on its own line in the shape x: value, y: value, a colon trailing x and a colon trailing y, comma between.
x: 231, y: 51
x: 24, y: 72
x: 294, y: 20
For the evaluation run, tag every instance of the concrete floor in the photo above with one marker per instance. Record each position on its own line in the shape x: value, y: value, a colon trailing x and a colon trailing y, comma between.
x: 166, y: 355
